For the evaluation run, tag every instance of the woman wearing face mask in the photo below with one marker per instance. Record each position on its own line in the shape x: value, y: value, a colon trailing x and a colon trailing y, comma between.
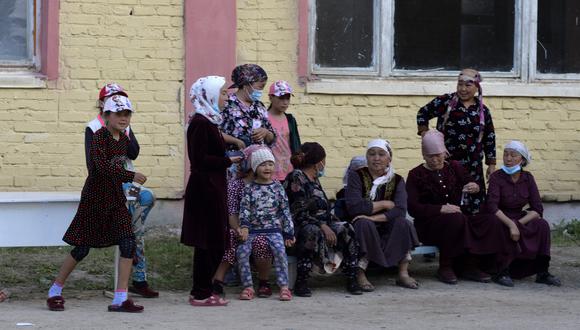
x: 510, y: 190
x: 437, y: 190
x: 245, y: 118
x: 377, y: 200
x: 318, y: 234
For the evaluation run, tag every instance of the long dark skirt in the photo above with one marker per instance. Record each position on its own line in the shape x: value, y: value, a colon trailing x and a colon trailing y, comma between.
x: 385, y: 243
x: 456, y: 234
x: 535, y: 249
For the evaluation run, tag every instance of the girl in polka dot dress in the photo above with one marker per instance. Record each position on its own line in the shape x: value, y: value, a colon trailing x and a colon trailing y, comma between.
x: 102, y: 218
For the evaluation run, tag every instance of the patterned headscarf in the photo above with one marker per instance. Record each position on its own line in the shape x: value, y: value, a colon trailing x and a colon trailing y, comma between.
x: 204, y: 95
x: 247, y: 74
x: 469, y: 76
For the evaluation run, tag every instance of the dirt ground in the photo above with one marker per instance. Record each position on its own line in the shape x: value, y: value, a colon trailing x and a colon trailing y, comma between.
x: 435, y: 305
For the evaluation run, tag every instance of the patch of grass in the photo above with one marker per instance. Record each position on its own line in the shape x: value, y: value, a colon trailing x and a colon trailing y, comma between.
x: 566, y: 233
x: 34, y: 269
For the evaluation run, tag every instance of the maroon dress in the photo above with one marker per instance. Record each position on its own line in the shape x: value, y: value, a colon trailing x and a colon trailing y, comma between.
x: 454, y: 234
x: 102, y: 218
x: 205, y: 214
x: 511, y: 198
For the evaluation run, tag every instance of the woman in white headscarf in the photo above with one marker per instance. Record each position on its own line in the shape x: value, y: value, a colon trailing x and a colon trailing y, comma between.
x: 510, y: 190
x: 205, y: 208
x: 376, y: 199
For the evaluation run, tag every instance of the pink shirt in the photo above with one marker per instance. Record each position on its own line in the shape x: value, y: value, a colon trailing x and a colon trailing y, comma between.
x: 281, y: 148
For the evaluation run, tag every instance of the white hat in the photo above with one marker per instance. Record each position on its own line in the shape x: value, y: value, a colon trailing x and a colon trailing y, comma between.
x: 261, y: 155
x: 335, y: 259
x: 117, y: 103
x: 381, y: 144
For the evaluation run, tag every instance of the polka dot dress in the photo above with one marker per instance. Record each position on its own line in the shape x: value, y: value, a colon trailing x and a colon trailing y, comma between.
x: 102, y: 219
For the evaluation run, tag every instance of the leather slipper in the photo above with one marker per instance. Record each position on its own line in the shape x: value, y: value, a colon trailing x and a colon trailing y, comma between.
x: 55, y: 304
x: 128, y: 306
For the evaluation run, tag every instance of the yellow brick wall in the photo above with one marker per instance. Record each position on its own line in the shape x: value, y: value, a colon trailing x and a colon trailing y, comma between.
x: 137, y: 43
x: 343, y: 124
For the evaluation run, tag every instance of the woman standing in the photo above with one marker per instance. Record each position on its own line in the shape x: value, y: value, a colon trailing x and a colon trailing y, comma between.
x: 318, y: 233
x: 468, y: 129
x: 510, y: 190
x: 205, y: 209
x: 245, y: 118
x: 376, y: 197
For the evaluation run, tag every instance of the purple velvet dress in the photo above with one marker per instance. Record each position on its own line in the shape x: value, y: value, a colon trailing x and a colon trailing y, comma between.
x: 511, y: 198
x: 454, y: 234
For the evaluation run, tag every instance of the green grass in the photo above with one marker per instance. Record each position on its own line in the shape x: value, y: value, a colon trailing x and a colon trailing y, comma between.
x: 33, y: 269
x: 566, y: 233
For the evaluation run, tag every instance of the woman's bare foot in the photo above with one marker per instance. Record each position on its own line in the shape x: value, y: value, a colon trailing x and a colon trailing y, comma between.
x: 363, y: 281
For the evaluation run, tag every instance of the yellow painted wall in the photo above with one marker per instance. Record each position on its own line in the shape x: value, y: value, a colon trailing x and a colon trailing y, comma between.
x: 343, y: 124
x: 137, y: 43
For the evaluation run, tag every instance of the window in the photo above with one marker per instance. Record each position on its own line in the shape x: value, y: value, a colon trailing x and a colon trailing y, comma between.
x: 506, y: 39
x: 18, y: 36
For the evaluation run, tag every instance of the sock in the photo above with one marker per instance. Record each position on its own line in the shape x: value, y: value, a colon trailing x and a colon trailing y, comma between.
x: 55, y: 290
x: 120, y: 297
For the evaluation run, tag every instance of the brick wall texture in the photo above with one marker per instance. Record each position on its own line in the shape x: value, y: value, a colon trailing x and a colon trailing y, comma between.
x: 139, y: 43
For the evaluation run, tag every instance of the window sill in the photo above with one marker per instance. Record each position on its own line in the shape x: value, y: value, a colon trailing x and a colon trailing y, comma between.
x: 22, y: 80
x: 420, y: 87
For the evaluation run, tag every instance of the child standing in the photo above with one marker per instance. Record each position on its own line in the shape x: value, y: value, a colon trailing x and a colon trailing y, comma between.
x: 102, y: 219
x: 264, y: 212
x: 145, y: 201
x: 288, y: 140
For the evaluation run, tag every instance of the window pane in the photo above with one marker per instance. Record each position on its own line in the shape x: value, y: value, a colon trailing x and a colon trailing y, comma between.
x: 558, y: 44
x: 344, y: 33
x: 13, y: 30
x: 454, y: 34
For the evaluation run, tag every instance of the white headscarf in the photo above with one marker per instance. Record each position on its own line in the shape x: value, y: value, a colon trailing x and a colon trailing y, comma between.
x: 521, y: 149
x: 389, y: 171
x: 204, y: 95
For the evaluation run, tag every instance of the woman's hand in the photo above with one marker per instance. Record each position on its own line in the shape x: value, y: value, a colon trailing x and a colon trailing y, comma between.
x: 514, y: 233
x: 471, y: 188
x: 259, y: 134
x: 240, y: 144
x: 139, y: 178
x: 243, y: 234
x: 235, y: 159
x: 329, y: 235
x: 448, y: 209
x: 290, y: 242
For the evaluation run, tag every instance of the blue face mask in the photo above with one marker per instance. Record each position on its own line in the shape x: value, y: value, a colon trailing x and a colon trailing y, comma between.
x: 511, y: 170
x: 255, y: 95
x: 320, y: 173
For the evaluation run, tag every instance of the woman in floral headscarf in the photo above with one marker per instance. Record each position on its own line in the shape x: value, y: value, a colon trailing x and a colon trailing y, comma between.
x: 468, y: 129
x: 245, y: 118
x: 205, y: 209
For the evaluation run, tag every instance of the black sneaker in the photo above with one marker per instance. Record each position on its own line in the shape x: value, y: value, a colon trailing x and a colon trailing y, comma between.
x: 301, y: 289
x: 353, y: 287
x: 547, y: 278
x: 504, y: 280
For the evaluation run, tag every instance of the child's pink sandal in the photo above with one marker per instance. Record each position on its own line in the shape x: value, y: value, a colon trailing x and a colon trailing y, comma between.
x: 247, y: 294
x: 285, y: 294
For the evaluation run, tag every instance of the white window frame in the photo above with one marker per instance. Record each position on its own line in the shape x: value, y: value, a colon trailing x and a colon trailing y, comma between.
x: 383, y: 79
x: 25, y: 73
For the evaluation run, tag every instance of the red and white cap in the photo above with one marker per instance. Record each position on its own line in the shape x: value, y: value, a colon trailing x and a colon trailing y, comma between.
x: 111, y: 89
x: 279, y: 88
x: 117, y: 103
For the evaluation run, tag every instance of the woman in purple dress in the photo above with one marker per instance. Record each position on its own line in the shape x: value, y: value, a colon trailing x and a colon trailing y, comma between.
x: 468, y: 128
x: 510, y: 190
x: 436, y: 197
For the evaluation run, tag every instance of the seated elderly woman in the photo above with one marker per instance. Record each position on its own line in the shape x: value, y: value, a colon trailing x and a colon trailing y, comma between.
x: 437, y: 193
x: 510, y: 190
x: 376, y: 200
x: 318, y: 234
